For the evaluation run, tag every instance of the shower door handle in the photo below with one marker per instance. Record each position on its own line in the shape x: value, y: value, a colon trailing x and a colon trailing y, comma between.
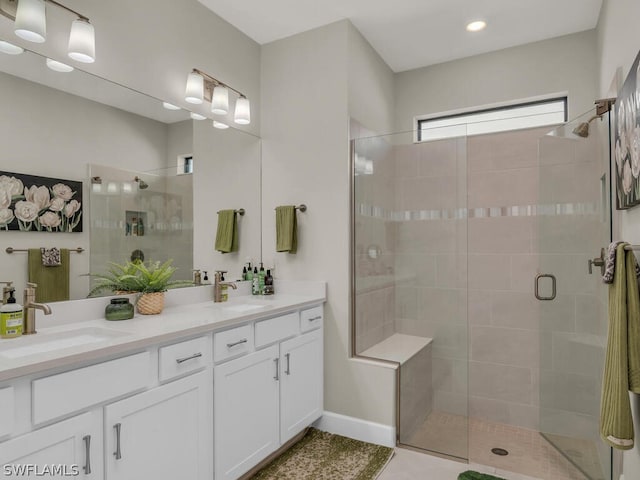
x: 597, y: 262
x: 537, y: 286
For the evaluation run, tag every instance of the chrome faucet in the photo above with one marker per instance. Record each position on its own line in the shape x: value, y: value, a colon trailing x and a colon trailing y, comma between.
x: 29, y: 305
x: 218, y: 283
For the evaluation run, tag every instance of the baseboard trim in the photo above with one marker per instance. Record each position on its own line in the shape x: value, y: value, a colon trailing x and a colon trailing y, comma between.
x: 357, y: 429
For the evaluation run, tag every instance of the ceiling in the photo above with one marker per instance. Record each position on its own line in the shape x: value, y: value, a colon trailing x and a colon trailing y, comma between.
x: 410, y: 34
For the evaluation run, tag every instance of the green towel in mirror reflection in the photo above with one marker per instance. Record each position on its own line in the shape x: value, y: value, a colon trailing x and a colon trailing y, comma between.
x: 52, y: 281
x: 227, y: 234
x: 286, y: 229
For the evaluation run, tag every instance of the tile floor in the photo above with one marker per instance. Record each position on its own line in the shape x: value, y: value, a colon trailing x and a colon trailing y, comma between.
x: 530, y: 455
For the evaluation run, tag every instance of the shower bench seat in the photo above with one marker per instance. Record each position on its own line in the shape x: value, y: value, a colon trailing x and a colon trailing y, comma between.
x: 398, y: 348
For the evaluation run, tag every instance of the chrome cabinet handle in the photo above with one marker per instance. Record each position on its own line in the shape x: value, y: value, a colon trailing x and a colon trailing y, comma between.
x: 537, y: 287
x: 313, y: 319
x: 87, y: 454
x: 231, y: 345
x: 277, y: 362
x: 288, y: 369
x: 191, y: 357
x: 117, y: 453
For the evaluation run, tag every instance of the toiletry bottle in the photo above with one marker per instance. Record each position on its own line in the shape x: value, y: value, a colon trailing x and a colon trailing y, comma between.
x: 244, y: 272
x: 140, y: 227
x: 224, y: 289
x: 11, y: 318
x: 249, y: 272
x: 268, y: 284
x: 261, y: 275
x: 134, y: 227
x: 255, y: 285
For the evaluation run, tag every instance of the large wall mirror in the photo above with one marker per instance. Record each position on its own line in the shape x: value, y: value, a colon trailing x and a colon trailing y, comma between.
x: 152, y: 178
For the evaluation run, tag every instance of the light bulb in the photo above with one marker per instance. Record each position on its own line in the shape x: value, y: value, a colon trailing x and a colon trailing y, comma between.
x: 10, y: 48
x: 82, y: 41
x: 31, y: 22
x: 220, y: 100
x: 220, y: 125
x: 195, y: 88
x: 243, y: 112
x: 170, y: 106
x: 197, y: 116
x: 59, y: 66
x: 476, y: 26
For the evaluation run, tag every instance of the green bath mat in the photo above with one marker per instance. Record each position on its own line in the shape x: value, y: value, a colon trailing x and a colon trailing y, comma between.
x: 324, y: 456
x: 472, y: 475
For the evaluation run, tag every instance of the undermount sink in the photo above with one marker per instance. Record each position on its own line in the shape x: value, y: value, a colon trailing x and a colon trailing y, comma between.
x: 49, y: 342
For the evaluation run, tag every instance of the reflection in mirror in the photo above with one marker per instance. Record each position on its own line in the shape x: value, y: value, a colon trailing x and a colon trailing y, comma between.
x: 144, y: 216
x: 56, y: 124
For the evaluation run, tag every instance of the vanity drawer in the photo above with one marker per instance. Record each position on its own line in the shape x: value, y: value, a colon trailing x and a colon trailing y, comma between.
x: 276, y: 329
x: 7, y: 412
x: 72, y: 391
x: 184, y: 357
x: 311, y: 318
x: 232, y: 343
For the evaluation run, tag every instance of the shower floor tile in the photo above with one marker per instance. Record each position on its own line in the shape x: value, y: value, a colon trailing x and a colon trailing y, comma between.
x: 529, y: 453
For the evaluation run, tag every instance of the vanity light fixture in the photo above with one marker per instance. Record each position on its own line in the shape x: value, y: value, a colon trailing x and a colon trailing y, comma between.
x: 10, y: 48
x: 202, y: 86
x: 170, y: 106
x: 30, y: 23
x: 197, y: 116
x: 220, y: 125
x: 476, y: 26
x: 59, y: 66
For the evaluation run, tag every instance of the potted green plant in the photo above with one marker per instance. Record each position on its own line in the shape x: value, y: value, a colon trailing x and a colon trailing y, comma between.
x: 151, y: 280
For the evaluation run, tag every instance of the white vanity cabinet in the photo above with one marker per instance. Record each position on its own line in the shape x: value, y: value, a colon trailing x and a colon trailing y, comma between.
x: 70, y: 446
x: 161, y: 434
x: 265, y: 398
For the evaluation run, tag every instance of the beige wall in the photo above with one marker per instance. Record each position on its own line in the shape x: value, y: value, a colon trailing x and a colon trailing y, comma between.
x: 305, y: 160
x: 618, y: 45
x: 564, y: 64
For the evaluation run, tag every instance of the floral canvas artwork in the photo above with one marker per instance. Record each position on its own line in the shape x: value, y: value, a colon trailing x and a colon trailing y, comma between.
x: 39, y: 204
x: 627, y: 140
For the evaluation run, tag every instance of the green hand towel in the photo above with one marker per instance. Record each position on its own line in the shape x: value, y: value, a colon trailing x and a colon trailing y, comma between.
x: 53, y: 282
x: 227, y: 234
x: 622, y: 363
x: 286, y: 229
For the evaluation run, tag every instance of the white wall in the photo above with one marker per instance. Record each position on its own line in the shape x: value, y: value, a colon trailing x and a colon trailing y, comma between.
x: 85, y: 132
x: 564, y: 64
x: 618, y: 45
x: 226, y: 175
x: 305, y: 160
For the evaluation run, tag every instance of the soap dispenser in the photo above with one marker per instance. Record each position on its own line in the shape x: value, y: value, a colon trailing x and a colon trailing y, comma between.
x: 255, y: 282
x: 11, y: 323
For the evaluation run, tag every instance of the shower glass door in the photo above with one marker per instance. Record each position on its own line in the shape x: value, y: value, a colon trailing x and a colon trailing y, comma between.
x: 574, y: 223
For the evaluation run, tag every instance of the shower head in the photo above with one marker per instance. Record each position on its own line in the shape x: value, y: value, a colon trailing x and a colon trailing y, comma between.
x: 582, y: 130
x: 141, y: 183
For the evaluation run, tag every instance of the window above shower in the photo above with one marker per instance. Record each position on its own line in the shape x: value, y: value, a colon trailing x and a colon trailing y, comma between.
x: 528, y: 114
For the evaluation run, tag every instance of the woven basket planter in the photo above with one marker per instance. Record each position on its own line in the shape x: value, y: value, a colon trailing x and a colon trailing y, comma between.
x: 151, y: 303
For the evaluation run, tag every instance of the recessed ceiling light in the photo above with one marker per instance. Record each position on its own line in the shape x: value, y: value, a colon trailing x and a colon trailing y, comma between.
x: 476, y: 26
x: 170, y: 106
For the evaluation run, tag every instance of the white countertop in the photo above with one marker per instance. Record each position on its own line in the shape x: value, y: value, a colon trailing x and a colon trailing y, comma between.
x: 87, y: 338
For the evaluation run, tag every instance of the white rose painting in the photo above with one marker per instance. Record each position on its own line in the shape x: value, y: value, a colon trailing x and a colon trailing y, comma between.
x: 39, y: 204
x: 627, y: 140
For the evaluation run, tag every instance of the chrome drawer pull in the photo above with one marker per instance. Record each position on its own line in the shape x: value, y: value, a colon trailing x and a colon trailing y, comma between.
x: 277, y: 362
x: 184, y: 359
x: 87, y: 454
x: 288, y: 369
x: 313, y: 319
x: 117, y: 453
x: 239, y: 342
